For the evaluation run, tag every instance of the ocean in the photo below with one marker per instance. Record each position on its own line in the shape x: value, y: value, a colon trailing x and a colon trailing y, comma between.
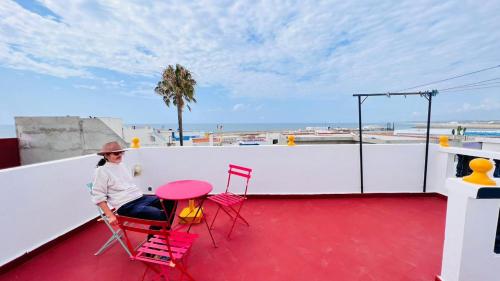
x: 9, y: 131
x: 252, y: 127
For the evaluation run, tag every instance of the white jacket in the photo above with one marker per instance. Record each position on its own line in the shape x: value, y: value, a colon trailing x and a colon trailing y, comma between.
x: 114, y: 184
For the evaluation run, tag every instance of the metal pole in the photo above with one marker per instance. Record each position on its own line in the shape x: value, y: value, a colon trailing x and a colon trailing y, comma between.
x: 360, y: 142
x: 427, y: 139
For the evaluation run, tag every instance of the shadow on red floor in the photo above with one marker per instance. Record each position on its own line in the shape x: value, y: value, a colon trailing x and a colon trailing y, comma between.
x: 374, y: 238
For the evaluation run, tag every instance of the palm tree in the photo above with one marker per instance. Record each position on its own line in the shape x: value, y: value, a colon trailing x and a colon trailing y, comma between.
x: 177, y: 87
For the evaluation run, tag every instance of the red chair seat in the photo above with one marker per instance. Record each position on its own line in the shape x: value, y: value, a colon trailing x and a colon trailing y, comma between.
x: 156, y: 247
x: 227, y: 199
x: 166, y: 248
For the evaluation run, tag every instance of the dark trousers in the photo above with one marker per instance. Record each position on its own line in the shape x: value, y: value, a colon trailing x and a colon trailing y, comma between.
x: 148, y: 207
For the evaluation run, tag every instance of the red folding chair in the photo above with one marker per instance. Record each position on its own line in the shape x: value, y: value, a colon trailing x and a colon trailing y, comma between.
x: 165, y: 249
x: 229, y: 202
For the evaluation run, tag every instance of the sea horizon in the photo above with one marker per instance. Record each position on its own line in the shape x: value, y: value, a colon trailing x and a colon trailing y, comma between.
x: 250, y: 127
x: 9, y: 131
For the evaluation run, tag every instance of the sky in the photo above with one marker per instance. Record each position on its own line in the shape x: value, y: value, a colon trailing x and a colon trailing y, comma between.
x: 254, y: 61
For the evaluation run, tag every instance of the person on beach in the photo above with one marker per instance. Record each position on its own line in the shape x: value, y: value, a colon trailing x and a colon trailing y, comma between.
x: 113, y: 185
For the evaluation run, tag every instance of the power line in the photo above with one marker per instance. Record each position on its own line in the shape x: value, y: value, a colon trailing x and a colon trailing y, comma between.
x: 451, y: 78
x: 470, y: 89
x: 479, y: 83
x: 473, y: 86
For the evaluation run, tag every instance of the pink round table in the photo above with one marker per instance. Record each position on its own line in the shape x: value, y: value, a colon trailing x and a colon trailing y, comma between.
x: 183, y: 189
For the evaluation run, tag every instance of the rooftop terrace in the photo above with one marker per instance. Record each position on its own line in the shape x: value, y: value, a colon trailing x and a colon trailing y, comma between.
x: 308, y: 218
x: 344, y: 238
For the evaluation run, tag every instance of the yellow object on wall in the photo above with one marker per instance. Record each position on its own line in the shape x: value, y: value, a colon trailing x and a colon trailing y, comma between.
x: 443, y: 141
x: 136, y: 143
x: 291, y: 140
x: 480, y: 168
x: 188, y: 214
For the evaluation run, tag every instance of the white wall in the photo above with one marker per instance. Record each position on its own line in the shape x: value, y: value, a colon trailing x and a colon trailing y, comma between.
x: 441, y: 167
x: 393, y: 167
x: 277, y: 169
x: 491, y: 146
x: 304, y: 169
x: 43, y: 201
x: 471, y: 226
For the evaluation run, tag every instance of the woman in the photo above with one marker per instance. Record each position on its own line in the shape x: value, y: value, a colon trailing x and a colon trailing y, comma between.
x: 113, y: 185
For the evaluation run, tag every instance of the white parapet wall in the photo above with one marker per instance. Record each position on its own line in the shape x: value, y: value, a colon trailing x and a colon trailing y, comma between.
x: 40, y: 202
x: 43, y: 201
x: 307, y: 169
x: 471, y: 228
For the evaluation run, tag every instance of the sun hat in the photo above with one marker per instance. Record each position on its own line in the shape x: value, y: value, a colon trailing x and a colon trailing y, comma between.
x: 110, y: 147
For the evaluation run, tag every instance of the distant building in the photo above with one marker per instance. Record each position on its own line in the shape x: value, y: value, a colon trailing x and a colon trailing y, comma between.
x: 50, y: 138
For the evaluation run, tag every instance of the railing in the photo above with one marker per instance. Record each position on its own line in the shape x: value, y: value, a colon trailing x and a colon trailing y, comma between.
x: 471, y: 154
x: 43, y: 201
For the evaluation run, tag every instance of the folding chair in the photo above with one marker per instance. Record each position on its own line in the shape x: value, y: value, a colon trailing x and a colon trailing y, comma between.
x: 227, y: 201
x: 164, y: 249
x: 116, y: 234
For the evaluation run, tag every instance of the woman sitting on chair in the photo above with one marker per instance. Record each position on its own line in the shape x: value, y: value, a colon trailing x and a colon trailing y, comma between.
x: 113, y: 184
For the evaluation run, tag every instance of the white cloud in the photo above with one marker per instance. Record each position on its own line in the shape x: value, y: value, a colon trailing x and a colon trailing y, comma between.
x: 86, y: 87
x: 483, y: 105
x: 238, y: 107
x: 257, y: 49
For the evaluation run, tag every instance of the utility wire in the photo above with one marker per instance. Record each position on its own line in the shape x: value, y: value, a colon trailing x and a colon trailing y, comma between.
x: 474, y: 86
x: 479, y: 83
x: 469, y: 89
x: 451, y: 78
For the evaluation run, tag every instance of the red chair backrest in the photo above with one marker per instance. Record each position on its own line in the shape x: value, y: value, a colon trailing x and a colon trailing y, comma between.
x: 241, y: 172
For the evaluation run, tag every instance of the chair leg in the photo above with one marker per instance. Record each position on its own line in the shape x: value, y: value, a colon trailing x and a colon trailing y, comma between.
x: 234, y: 220
x: 213, y: 220
x: 209, y: 230
x: 158, y: 272
x: 165, y: 273
x: 117, y: 235
x: 183, y: 271
x: 124, y: 246
x: 111, y: 241
x: 226, y: 211
x: 144, y: 274
x: 239, y: 216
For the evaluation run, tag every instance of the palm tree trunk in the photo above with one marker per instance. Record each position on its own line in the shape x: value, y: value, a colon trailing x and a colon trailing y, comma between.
x: 179, y: 119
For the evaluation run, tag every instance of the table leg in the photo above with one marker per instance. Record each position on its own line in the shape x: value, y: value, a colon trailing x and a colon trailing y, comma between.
x: 204, y: 219
x: 170, y: 217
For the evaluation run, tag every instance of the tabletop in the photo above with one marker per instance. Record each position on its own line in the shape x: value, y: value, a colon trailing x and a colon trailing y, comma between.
x: 183, y: 189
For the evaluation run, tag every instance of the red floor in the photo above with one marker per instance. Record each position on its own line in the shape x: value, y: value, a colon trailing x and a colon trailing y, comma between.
x: 375, y: 238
